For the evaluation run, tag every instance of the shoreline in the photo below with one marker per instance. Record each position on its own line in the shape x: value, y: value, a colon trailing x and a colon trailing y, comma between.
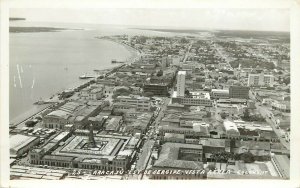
x: 134, y: 52
x: 37, y: 108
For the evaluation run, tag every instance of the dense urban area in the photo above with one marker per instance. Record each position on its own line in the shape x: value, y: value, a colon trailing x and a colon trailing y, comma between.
x: 211, y: 105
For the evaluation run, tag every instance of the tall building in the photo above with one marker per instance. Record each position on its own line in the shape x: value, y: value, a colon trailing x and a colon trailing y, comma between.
x: 157, y: 89
x: 181, y: 83
x: 166, y: 61
x: 240, y: 92
x: 260, y: 80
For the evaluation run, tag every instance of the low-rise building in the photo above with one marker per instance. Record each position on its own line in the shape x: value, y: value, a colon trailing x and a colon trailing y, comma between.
x: 113, y: 123
x: 220, y: 93
x: 260, y: 80
x: 76, y: 113
x: 92, y: 93
x: 137, y: 123
x: 110, y: 153
x: 173, y: 137
x: 283, y: 106
x: 240, y: 92
x: 231, y: 129
x: 178, y: 156
x: 195, y: 99
x: 133, y: 101
x: 156, y: 89
x: 20, y: 144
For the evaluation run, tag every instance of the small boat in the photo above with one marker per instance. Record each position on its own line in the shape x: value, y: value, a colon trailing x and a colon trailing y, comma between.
x: 115, y: 61
x: 32, y: 83
x: 86, y: 76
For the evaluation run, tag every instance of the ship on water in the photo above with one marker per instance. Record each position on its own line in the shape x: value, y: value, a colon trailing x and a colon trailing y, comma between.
x: 86, y: 76
x: 113, y: 61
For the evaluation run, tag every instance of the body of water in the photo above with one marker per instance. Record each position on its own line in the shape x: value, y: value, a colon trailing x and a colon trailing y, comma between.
x: 45, y: 63
x: 42, y: 64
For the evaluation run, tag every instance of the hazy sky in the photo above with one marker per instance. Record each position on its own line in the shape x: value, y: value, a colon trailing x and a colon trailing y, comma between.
x: 240, y: 19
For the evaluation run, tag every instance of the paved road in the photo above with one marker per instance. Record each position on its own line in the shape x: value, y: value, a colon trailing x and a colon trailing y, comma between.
x: 145, y: 155
x: 264, y: 111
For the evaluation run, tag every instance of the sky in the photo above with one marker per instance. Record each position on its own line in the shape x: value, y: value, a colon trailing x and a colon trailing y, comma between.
x: 264, y: 19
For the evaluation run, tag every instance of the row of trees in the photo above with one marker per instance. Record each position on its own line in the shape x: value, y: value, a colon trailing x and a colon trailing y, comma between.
x: 247, y: 117
x: 224, y: 156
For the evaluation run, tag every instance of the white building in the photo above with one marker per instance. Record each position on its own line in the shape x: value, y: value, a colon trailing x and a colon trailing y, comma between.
x: 181, y: 83
x: 231, y: 129
x: 195, y: 99
x: 220, y: 93
x: 92, y: 93
x: 133, y: 101
x: 260, y: 80
x: 175, y: 60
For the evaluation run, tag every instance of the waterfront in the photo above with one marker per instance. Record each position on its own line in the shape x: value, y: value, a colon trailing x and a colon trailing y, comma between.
x: 43, y: 64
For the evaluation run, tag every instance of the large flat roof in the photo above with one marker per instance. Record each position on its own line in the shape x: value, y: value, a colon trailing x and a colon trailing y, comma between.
x: 181, y: 72
x: 18, y: 141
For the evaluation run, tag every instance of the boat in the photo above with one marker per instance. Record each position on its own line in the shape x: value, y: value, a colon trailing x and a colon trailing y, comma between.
x: 32, y: 83
x: 115, y: 61
x: 86, y: 76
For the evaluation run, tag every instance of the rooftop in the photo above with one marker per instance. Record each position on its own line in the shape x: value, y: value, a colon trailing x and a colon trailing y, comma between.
x: 18, y: 141
x: 181, y: 72
x: 168, y: 157
x: 229, y: 125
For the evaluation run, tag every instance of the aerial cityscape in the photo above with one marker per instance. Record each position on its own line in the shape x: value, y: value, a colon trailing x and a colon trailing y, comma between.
x: 173, y: 104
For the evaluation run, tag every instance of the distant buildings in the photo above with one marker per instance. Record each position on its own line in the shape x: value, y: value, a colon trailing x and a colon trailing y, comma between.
x: 181, y: 83
x: 260, y: 80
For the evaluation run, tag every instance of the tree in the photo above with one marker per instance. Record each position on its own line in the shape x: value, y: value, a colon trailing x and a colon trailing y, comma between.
x: 286, y: 80
x: 246, y: 114
x: 211, y: 167
x: 160, y: 73
x: 247, y: 157
x: 187, y: 92
x: 121, y: 92
x: 183, y: 40
x: 223, y: 115
x: 30, y: 123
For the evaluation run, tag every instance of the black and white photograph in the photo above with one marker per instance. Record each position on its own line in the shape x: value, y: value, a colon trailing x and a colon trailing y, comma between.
x: 149, y: 94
